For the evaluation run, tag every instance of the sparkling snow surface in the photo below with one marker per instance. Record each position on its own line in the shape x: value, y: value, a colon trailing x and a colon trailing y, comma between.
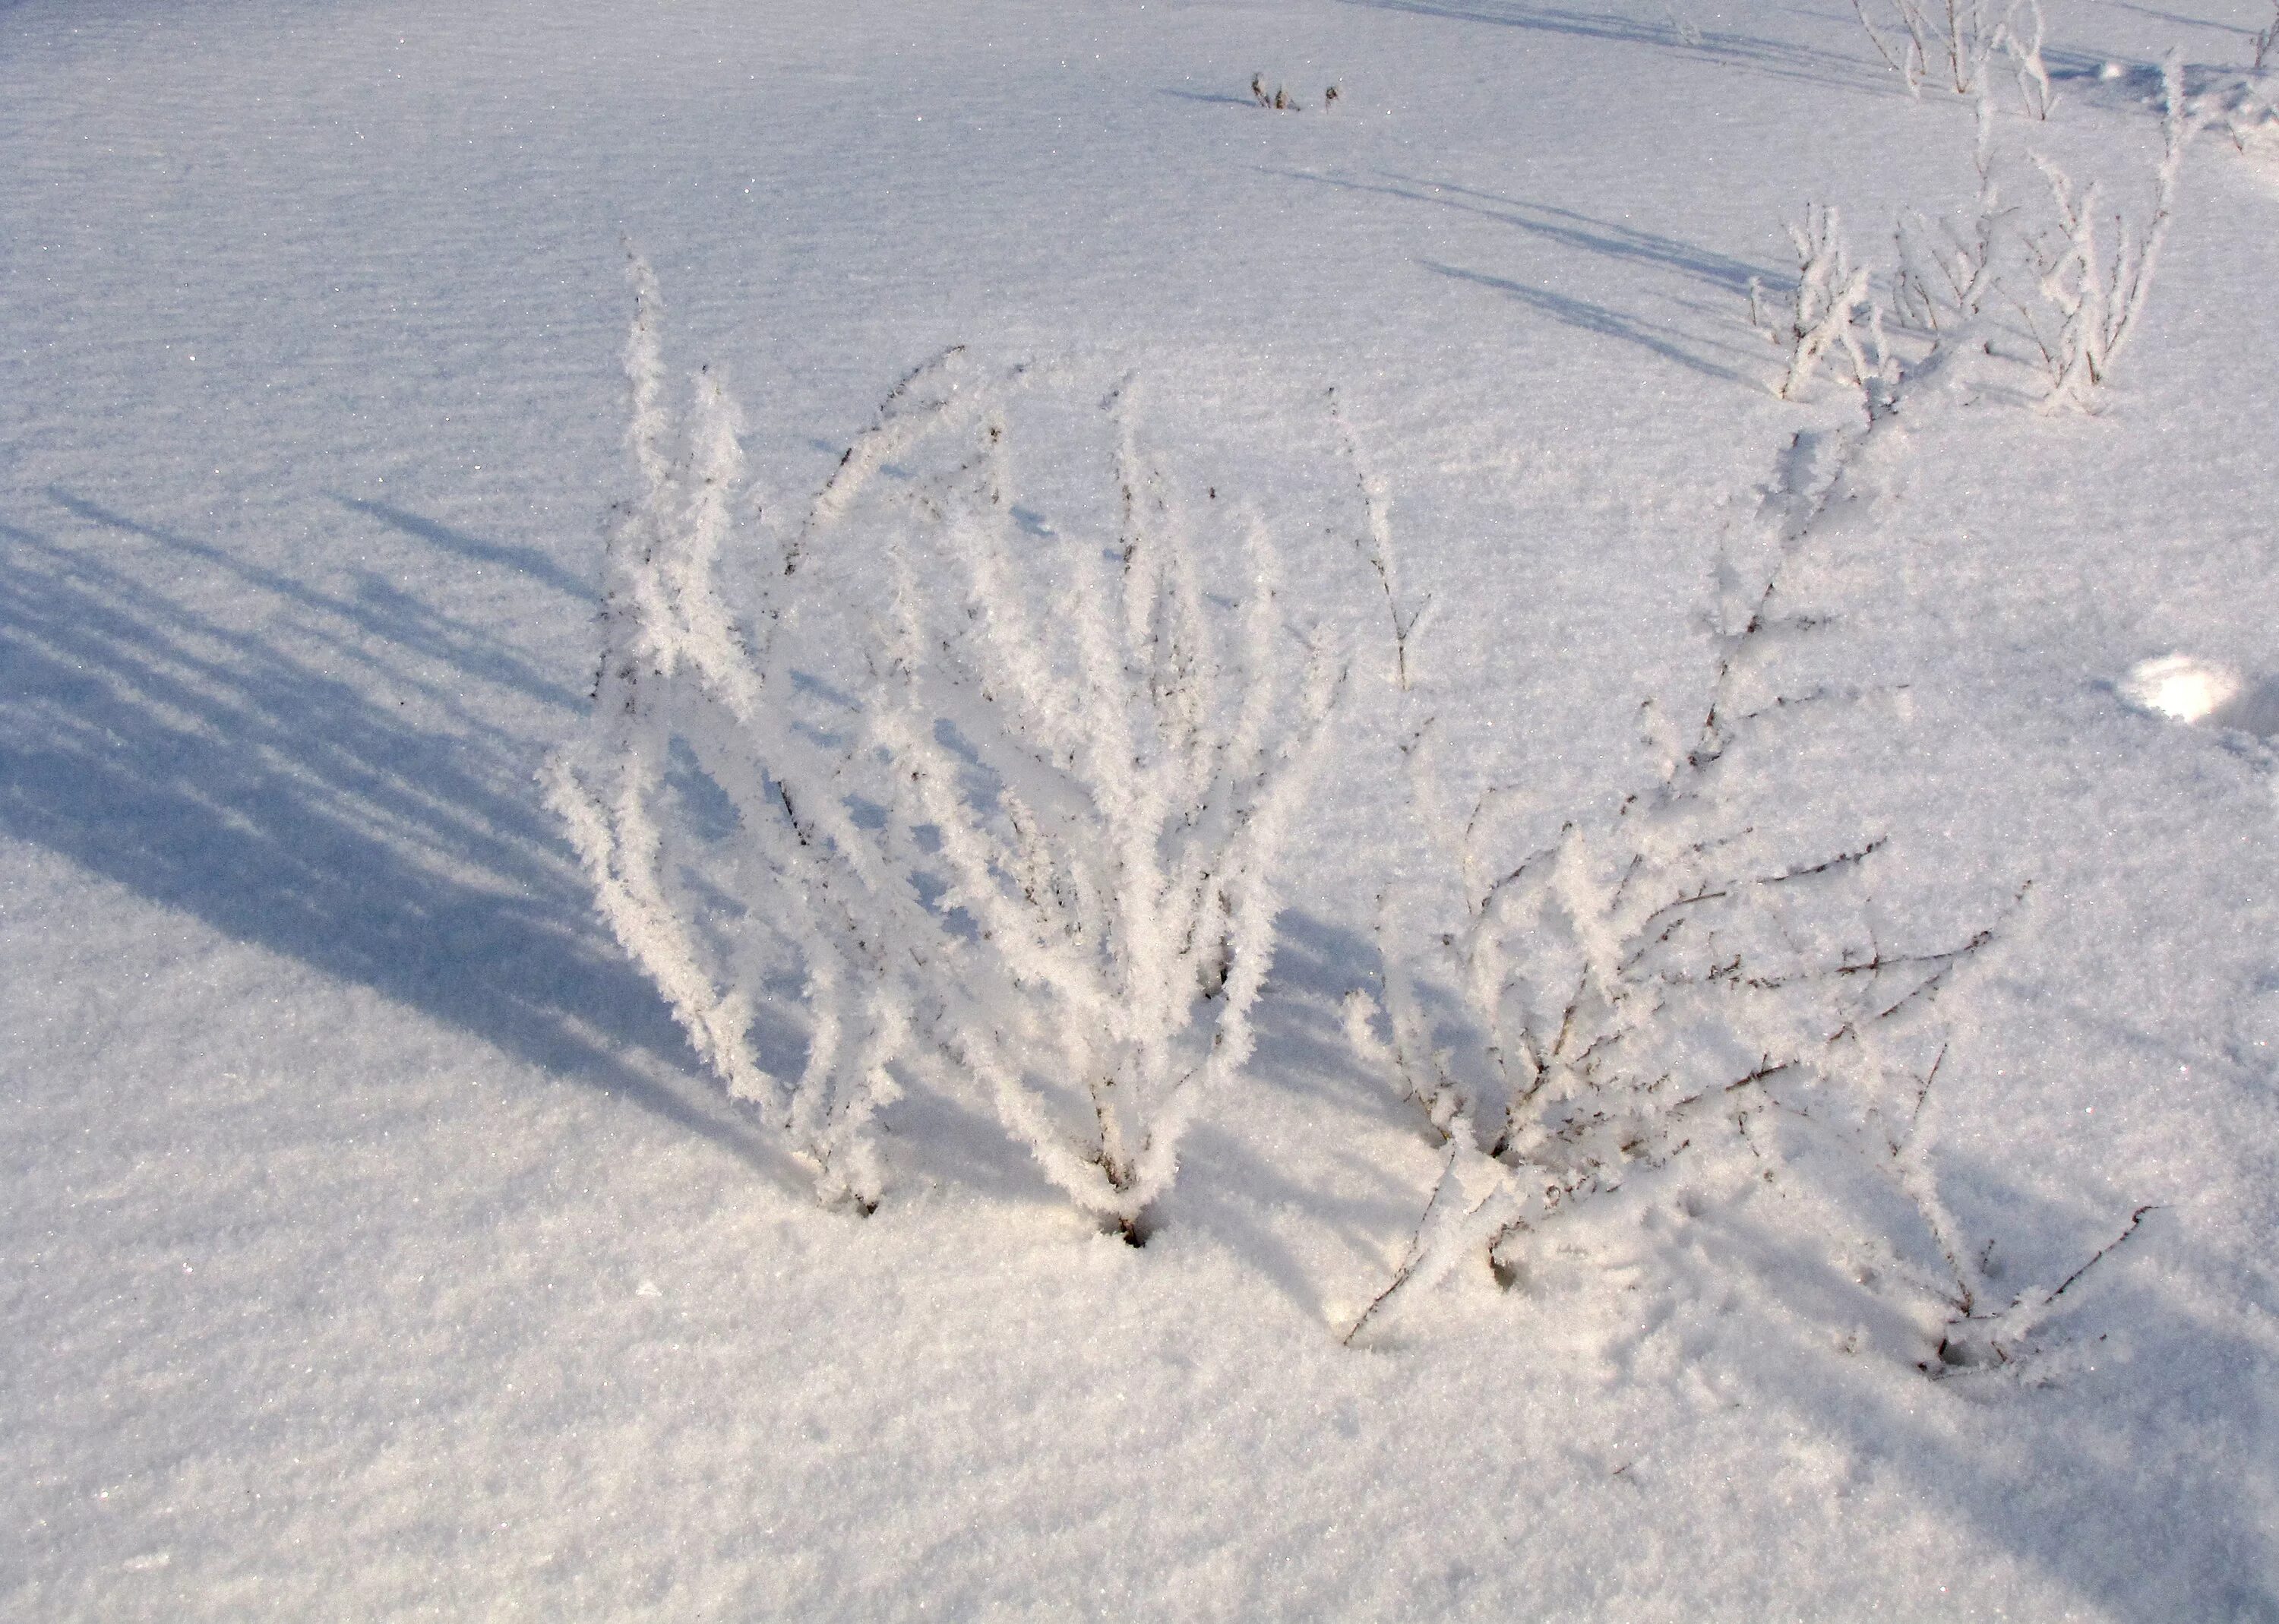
x: 371, y: 1246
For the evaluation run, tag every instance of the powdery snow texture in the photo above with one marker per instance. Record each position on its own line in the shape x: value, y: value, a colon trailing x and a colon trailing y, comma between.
x: 372, y: 1244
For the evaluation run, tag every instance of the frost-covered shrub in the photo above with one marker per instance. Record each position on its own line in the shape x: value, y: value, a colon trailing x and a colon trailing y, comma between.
x: 2091, y: 294
x: 1682, y: 971
x: 1097, y: 764
x: 1002, y: 804
x: 2068, y: 276
x: 1956, y: 41
x: 1646, y: 979
x: 1946, y: 270
x: 1827, y: 310
x: 788, y: 895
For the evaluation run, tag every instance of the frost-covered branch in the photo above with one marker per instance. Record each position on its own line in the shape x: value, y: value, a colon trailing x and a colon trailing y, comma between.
x: 679, y: 677
x: 1828, y: 309
x: 1375, y: 544
x: 1955, y: 40
x: 1105, y: 765
x: 1030, y: 840
x: 2094, y: 295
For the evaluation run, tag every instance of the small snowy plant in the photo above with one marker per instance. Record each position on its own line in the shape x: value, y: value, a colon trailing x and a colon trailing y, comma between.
x: 1645, y: 978
x: 1096, y: 764
x: 2076, y: 274
x: 1374, y: 543
x: 2092, y: 293
x: 1827, y: 310
x: 1955, y: 42
x: 1023, y: 835
x: 1947, y: 270
x: 1679, y: 971
x: 679, y: 677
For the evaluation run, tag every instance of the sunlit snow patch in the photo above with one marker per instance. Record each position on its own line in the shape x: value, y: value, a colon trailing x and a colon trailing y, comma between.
x: 2180, y: 687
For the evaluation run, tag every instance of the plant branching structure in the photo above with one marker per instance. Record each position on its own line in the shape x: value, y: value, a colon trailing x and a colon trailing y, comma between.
x: 1031, y: 842
x: 1955, y: 42
x: 1672, y: 971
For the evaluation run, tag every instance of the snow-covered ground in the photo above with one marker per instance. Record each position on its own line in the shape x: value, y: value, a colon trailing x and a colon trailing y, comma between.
x: 373, y: 1245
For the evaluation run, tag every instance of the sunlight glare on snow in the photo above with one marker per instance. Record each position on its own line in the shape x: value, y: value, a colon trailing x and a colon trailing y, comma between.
x: 2180, y: 687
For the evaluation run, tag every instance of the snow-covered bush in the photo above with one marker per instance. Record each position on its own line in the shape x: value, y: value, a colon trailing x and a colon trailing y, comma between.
x: 1097, y: 765
x: 1678, y: 971
x: 1946, y: 270
x: 1828, y: 310
x: 1650, y: 976
x: 1957, y: 41
x: 2091, y: 297
x: 679, y: 677
x: 1013, y: 821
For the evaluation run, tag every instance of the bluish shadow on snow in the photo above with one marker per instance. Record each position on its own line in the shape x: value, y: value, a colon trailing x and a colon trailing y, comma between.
x: 2124, y: 84
x: 1301, y: 1214
x: 1214, y: 100
x: 1727, y: 277
x: 1780, y: 1318
x: 2255, y: 710
x: 2058, y: 1477
x: 271, y: 786
x: 1717, y: 47
x: 522, y: 560
x: 1588, y: 318
x: 1298, y: 1019
x: 1566, y: 228
x: 378, y: 611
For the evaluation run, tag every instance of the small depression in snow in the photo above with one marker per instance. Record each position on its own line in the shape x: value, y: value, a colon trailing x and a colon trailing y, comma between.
x: 2186, y: 688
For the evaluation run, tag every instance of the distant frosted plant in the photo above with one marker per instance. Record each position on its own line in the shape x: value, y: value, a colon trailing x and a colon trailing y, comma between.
x: 1946, y: 270
x: 1033, y: 847
x: 1827, y: 310
x: 1953, y: 42
x: 2091, y: 291
x: 1281, y: 99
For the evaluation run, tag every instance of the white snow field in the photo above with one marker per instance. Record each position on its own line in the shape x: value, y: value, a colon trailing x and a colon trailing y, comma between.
x: 374, y: 1245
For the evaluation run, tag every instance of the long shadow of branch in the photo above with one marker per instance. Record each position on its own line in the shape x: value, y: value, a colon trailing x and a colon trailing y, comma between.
x: 208, y: 768
x: 522, y: 560
x: 1567, y: 227
x: 1589, y: 318
x: 1775, y: 58
x: 2084, y: 1481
